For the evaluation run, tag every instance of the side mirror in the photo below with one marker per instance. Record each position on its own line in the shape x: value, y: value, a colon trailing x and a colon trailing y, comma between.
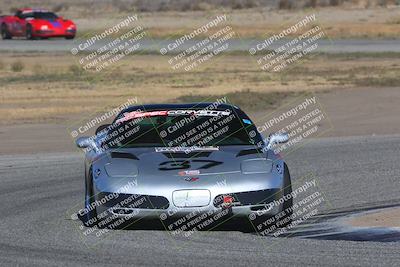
x: 83, y: 142
x: 278, y: 138
x: 102, y: 127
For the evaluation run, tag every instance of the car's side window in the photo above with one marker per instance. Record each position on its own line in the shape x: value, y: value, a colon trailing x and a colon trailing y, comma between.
x: 18, y: 14
x: 27, y: 15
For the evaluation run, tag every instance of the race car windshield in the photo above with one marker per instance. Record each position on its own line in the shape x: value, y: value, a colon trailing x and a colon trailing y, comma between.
x: 45, y: 15
x: 180, y: 128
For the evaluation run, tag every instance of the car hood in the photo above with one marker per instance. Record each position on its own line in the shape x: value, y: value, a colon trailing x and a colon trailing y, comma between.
x: 153, y: 170
x: 56, y: 23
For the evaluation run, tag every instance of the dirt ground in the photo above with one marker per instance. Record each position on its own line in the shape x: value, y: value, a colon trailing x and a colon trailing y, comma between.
x: 355, y: 111
x: 383, y: 218
x: 57, y: 90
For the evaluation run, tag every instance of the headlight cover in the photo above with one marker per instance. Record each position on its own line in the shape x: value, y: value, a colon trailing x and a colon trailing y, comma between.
x: 121, y: 168
x: 254, y: 166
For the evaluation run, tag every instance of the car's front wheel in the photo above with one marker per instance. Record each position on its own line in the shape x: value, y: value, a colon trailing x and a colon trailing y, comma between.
x: 268, y: 224
x: 288, y: 204
x: 90, y: 218
x: 28, y: 32
x: 5, y: 33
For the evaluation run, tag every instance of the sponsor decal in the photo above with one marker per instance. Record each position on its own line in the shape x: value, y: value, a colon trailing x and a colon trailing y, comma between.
x: 203, y: 112
x: 137, y: 114
x: 186, y: 149
x: 189, y: 172
x: 200, y: 113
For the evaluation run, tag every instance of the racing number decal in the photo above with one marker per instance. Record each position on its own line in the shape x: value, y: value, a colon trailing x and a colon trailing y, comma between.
x: 186, y: 164
x: 174, y: 165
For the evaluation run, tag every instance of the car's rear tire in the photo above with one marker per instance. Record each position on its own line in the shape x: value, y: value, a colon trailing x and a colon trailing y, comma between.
x: 5, y: 33
x: 28, y: 32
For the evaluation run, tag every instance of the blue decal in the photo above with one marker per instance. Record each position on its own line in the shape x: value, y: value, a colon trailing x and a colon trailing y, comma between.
x: 246, y: 121
x: 56, y: 24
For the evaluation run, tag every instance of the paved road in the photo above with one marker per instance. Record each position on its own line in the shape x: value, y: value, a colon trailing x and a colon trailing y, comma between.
x: 37, y: 190
x: 154, y: 45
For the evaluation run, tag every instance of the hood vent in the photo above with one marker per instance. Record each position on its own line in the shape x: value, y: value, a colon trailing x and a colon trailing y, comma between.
x: 246, y: 152
x: 122, y: 155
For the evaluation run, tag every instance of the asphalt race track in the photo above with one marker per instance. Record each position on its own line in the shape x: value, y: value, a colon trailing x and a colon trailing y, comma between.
x: 37, y: 190
x: 154, y: 45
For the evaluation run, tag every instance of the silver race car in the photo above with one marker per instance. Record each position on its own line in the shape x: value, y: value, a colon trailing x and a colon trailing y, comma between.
x: 171, y: 161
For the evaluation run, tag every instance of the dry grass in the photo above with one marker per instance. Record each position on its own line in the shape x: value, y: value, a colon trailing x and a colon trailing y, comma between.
x: 17, y: 66
x: 247, y: 100
x: 338, y: 22
x: 114, y: 6
x: 56, y: 92
x: 259, y: 23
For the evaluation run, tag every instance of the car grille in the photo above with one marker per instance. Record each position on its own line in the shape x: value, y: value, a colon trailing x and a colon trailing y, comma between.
x: 44, y: 31
x: 133, y: 201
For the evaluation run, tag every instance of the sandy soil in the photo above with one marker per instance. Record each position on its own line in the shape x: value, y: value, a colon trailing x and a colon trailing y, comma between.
x: 58, y: 90
x: 383, y: 218
x: 362, y: 111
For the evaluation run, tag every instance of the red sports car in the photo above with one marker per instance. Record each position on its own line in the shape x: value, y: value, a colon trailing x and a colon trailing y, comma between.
x: 36, y: 23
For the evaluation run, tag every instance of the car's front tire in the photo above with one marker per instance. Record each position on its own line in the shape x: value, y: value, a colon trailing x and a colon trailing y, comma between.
x: 5, y: 33
x: 28, y: 32
x: 90, y: 218
x: 288, y: 204
x: 268, y: 224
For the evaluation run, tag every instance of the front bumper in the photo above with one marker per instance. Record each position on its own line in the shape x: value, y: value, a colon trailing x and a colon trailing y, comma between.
x: 54, y: 33
x: 132, y: 206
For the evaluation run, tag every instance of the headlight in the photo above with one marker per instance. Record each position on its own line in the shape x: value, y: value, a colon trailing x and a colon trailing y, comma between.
x: 44, y: 27
x: 253, y: 166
